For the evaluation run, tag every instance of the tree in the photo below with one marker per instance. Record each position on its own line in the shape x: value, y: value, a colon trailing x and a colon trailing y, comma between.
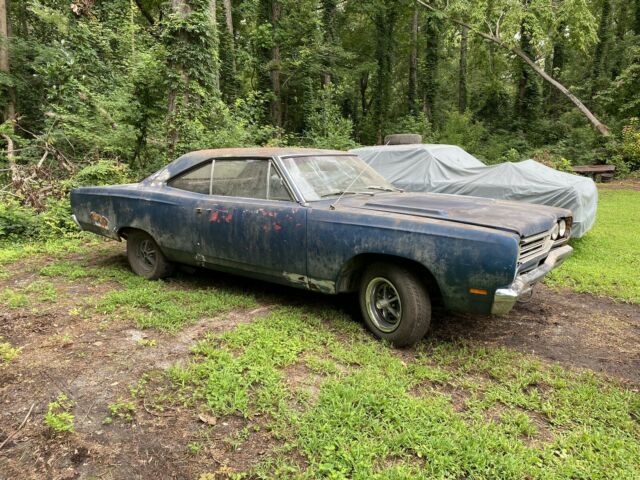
x: 462, y: 73
x: 496, y: 37
x: 384, y: 19
x: 5, y: 31
x: 432, y: 57
x: 229, y: 82
x: 413, y: 63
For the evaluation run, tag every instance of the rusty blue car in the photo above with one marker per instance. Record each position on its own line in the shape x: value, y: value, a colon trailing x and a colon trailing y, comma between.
x: 324, y: 220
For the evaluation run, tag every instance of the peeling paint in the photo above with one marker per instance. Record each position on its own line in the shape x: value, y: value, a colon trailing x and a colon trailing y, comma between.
x: 99, y: 220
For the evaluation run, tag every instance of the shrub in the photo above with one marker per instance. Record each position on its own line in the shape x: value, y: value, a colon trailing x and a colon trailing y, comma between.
x: 326, y: 127
x: 630, y: 147
x: 460, y: 129
x: 7, y: 352
x: 103, y: 172
x: 17, y: 221
x: 58, y: 418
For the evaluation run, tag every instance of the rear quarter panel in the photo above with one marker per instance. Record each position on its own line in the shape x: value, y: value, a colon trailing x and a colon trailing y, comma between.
x: 165, y: 215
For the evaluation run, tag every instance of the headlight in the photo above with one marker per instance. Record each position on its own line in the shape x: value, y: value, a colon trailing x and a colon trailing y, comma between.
x: 563, y: 228
x: 555, y: 232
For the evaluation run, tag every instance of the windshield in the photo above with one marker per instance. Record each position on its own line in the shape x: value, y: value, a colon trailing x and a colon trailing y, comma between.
x: 326, y: 176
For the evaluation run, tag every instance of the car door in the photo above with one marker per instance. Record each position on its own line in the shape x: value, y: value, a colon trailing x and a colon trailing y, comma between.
x: 177, y: 226
x: 251, y: 223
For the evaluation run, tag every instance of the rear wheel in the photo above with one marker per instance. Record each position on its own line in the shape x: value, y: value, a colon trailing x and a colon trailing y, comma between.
x: 395, y: 304
x: 146, y: 258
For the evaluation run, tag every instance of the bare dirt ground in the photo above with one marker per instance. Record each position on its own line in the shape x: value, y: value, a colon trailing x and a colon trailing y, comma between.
x: 94, y: 361
x: 627, y: 184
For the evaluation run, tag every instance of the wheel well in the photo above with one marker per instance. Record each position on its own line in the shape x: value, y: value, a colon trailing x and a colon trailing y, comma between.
x: 125, y: 231
x: 351, y: 272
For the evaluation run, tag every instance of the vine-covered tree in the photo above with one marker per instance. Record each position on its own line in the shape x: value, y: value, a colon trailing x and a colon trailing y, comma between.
x: 142, y: 81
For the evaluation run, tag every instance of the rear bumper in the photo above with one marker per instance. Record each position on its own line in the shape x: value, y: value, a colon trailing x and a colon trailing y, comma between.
x: 505, y: 298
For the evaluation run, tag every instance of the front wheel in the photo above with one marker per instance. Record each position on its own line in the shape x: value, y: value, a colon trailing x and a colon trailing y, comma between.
x: 146, y: 258
x: 395, y: 304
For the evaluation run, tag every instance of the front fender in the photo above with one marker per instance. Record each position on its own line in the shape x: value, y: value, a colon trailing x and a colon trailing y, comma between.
x: 460, y: 257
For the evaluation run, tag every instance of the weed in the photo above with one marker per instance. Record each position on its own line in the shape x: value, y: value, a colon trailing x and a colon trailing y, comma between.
x: 58, y: 418
x: 13, y: 299
x: 368, y: 421
x: 147, y: 342
x: 7, y: 352
x: 194, y: 447
x: 124, y: 410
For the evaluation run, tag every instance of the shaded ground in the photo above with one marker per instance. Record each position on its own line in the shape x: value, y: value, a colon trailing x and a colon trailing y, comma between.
x: 68, y: 347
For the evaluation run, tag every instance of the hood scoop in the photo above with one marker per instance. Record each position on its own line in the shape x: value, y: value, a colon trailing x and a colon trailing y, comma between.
x: 410, y: 210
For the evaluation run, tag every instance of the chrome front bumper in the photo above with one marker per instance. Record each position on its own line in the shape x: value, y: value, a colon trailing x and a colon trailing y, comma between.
x: 505, y: 298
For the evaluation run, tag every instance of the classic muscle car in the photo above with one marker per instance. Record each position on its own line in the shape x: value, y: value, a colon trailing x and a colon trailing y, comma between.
x: 324, y: 220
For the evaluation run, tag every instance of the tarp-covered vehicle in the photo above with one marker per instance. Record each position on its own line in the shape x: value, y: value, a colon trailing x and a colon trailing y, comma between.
x: 449, y: 169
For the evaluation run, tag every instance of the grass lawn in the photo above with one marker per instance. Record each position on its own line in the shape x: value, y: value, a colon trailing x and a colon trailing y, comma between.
x: 327, y: 400
x: 607, y: 260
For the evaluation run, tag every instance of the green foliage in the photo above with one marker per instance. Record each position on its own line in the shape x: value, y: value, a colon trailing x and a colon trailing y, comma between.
x: 103, y: 172
x: 124, y: 410
x: 17, y: 221
x: 461, y: 129
x: 630, y: 148
x: 7, y: 352
x: 58, y: 417
x: 326, y: 127
x: 456, y: 409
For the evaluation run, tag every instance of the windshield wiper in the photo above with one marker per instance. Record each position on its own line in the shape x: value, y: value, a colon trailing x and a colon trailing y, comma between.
x: 344, y: 192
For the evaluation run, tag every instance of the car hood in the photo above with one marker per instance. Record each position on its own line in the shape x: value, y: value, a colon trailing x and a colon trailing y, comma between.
x: 525, y: 219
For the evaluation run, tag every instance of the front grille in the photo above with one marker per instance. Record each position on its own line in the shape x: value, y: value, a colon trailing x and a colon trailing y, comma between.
x: 534, y: 247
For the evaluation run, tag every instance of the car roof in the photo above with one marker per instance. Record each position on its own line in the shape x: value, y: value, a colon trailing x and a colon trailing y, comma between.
x: 259, y: 152
x: 189, y: 160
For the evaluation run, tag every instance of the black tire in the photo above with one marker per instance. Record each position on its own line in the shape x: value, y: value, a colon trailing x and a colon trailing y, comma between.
x: 403, y: 139
x: 383, y: 281
x: 146, y: 258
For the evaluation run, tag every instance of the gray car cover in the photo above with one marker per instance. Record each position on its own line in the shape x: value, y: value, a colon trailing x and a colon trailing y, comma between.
x: 449, y: 169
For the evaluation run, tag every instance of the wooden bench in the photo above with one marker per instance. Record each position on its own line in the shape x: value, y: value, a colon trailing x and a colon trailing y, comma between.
x: 599, y: 173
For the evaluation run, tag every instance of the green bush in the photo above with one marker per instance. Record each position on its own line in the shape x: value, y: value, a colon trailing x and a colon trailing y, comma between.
x: 17, y: 221
x: 103, y: 172
x: 630, y: 148
x: 326, y: 127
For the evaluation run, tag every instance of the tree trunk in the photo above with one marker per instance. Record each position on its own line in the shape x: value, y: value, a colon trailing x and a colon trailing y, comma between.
x: 175, y: 103
x: 229, y: 81
x: 462, y: 76
x: 5, y: 28
x: 597, y: 124
x: 636, y: 26
x: 213, y: 18
x: 385, y: 19
x: 364, y: 84
x: 413, y: 64
x: 599, y: 55
x: 228, y: 14
x: 431, y: 63
x: 557, y: 66
x: 276, y: 85
x: 329, y: 12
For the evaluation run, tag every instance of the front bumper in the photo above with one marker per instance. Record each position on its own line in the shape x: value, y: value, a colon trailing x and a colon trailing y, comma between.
x: 505, y: 298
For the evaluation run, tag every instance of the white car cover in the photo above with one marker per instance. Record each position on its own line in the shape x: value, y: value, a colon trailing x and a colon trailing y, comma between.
x: 449, y: 169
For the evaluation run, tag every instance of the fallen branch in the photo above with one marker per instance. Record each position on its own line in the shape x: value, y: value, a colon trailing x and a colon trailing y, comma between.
x: 597, y: 124
x: 6, y: 440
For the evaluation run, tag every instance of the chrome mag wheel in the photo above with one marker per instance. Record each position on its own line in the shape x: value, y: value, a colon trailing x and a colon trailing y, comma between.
x: 383, y: 304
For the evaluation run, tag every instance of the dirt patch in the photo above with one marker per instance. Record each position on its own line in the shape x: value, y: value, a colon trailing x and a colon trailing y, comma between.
x: 574, y: 329
x: 628, y: 184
